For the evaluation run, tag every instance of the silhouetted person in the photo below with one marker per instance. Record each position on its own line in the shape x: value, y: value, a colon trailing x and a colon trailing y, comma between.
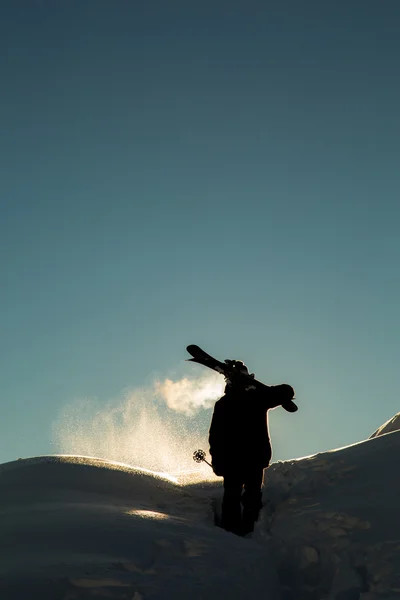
x: 240, y: 447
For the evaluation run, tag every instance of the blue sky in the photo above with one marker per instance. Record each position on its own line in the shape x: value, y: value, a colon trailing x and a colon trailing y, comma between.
x: 225, y: 174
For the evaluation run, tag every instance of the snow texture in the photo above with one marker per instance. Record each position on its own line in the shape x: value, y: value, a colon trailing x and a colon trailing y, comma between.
x: 74, y: 528
x: 334, y: 525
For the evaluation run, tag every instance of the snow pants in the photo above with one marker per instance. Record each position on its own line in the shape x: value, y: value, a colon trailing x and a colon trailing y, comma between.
x: 249, y: 481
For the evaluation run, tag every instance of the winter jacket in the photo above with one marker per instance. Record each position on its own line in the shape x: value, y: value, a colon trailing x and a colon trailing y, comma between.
x: 238, y: 435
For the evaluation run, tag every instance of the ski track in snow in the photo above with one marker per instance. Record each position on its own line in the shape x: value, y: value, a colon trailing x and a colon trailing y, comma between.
x: 73, y: 528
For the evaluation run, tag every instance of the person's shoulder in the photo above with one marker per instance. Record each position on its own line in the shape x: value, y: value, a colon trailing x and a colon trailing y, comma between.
x: 220, y: 406
x: 259, y: 397
x: 222, y: 400
x: 219, y: 401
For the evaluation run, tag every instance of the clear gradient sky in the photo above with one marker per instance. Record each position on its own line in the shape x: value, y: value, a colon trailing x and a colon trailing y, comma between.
x: 220, y: 173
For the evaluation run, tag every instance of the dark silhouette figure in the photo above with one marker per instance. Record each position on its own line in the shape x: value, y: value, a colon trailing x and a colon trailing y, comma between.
x: 240, y: 446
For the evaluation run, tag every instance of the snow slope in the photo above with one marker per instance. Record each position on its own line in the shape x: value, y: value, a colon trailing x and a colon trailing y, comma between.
x: 77, y: 528
x: 334, y: 522
x: 74, y: 528
x: 392, y: 425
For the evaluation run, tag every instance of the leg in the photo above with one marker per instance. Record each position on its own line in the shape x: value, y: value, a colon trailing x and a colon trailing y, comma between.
x: 252, y: 498
x: 231, y: 516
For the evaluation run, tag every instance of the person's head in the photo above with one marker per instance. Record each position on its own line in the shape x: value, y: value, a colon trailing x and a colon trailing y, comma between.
x: 234, y: 378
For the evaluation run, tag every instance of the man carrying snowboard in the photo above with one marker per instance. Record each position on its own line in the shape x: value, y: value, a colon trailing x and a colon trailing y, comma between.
x: 240, y: 447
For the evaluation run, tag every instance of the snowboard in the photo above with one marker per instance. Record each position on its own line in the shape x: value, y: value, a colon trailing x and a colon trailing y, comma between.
x: 202, y: 358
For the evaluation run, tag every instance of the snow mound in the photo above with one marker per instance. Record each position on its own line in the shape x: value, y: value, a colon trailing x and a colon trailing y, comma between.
x: 76, y: 528
x: 392, y: 425
x: 333, y: 522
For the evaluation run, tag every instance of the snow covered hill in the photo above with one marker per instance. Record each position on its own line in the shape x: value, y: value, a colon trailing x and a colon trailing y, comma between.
x: 334, y: 522
x: 74, y: 528
x: 392, y: 425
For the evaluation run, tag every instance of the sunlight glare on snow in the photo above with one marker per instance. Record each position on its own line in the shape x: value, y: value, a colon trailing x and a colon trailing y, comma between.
x: 147, y: 514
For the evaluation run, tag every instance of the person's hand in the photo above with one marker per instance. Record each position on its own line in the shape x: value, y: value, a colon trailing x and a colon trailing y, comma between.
x: 287, y: 391
x: 286, y: 395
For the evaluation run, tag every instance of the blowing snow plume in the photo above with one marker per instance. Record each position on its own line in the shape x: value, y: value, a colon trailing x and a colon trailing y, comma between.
x: 152, y: 428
